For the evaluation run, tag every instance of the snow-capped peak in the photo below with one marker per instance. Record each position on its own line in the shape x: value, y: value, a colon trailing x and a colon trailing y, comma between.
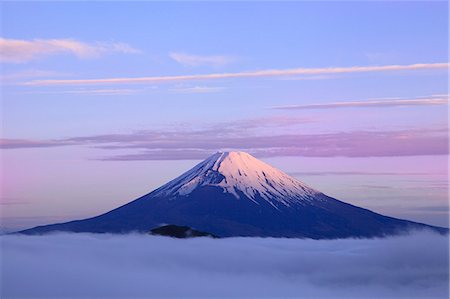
x: 239, y: 172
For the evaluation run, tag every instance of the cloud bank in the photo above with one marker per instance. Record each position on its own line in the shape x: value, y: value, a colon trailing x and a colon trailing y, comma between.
x: 240, y: 75
x: 20, y: 51
x: 136, y: 266
x: 184, y: 144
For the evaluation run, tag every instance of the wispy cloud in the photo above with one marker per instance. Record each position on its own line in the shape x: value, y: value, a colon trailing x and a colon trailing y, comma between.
x: 303, y: 78
x: 436, y: 209
x: 180, y: 144
x: 378, y: 103
x: 217, y: 129
x: 360, y: 173
x: 201, y: 60
x: 20, y: 51
x: 247, y: 74
x: 197, y: 89
x: 264, y: 122
x: 9, y: 143
x: 6, y: 202
x: 346, y: 144
x: 95, y: 91
x: 99, y: 92
x: 377, y: 187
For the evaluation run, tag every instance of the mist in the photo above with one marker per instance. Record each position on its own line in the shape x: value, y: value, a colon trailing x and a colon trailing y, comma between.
x: 138, y: 266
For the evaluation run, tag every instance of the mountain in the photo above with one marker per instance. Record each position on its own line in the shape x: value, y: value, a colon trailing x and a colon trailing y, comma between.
x: 235, y: 194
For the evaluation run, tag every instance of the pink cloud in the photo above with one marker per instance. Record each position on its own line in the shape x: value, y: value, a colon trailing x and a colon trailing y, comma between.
x: 249, y: 74
x: 373, y: 103
x: 377, y: 103
x: 20, y: 51
x: 198, y: 144
x: 9, y: 143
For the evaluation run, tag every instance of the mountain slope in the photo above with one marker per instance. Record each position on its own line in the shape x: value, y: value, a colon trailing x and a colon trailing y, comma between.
x: 235, y: 194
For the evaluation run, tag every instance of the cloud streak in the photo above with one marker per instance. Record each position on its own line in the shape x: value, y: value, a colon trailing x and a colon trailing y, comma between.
x: 99, y: 92
x: 242, y: 75
x: 10, y: 143
x: 359, y: 173
x: 197, y: 89
x: 139, y: 266
x: 348, y: 144
x: 21, y: 51
x: 201, y: 60
x: 382, y: 103
x: 198, y: 144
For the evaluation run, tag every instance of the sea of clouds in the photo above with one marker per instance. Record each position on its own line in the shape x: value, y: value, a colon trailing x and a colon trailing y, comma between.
x: 140, y: 266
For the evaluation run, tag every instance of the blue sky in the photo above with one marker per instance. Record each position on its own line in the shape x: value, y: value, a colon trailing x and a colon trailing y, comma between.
x: 104, y: 139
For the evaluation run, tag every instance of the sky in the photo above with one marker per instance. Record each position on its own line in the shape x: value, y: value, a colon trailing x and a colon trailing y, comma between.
x: 103, y: 102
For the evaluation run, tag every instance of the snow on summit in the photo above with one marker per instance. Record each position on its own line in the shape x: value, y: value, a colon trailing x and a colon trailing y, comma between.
x: 239, y: 172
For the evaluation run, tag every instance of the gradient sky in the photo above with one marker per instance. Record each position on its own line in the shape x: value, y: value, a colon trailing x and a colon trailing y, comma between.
x: 103, y: 102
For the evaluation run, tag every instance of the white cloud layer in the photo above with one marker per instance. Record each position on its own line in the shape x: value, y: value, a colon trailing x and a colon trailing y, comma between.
x: 250, y: 74
x: 201, y: 60
x: 20, y: 51
x: 136, y: 266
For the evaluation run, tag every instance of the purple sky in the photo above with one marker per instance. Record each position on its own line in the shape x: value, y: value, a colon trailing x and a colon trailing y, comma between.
x: 102, y: 102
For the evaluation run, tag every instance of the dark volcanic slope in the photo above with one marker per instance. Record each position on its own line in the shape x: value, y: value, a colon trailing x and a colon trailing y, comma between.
x: 234, y: 194
x: 181, y: 232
